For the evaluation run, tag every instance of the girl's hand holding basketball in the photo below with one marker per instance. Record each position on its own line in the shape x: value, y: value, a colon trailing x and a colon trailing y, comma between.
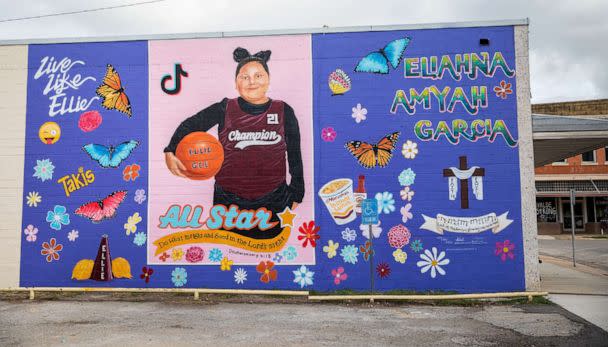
x: 175, y: 165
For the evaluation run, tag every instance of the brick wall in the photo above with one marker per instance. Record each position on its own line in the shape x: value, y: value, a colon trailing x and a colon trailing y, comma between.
x: 573, y: 108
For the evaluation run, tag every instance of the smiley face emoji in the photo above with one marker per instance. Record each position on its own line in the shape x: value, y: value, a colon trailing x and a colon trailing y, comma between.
x: 49, y: 133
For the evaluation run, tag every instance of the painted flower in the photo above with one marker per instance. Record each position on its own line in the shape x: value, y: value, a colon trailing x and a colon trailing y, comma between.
x: 399, y: 236
x: 131, y: 172
x: 406, y: 193
x: 503, y: 90
x: 416, y: 246
x: 179, y: 276
x: 349, y: 254
x: 51, y: 249
x: 44, y: 169
x: 383, y: 270
x: 432, y: 261
x: 328, y: 134
x: 240, y: 275
x: 163, y: 257
x: 226, y: 264
x: 73, y: 235
x: 303, y: 276
x: 277, y: 258
x: 407, y: 177
x: 400, y: 256
x: 309, y: 234
x: 177, y: 254
x: 140, y: 238
x: 410, y: 149
x: 504, y: 250
x: 267, y: 271
x: 338, y: 275
x: 376, y: 230
x: 386, y: 203
x: 31, y: 232
x: 215, y: 255
x: 194, y: 254
x: 131, y: 224
x: 405, y: 213
x: 366, y: 250
x: 90, y: 121
x: 140, y: 196
x: 146, y: 272
x: 331, y: 249
x: 57, y: 217
x: 349, y: 234
x: 33, y: 199
x: 359, y: 113
x: 290, y: 253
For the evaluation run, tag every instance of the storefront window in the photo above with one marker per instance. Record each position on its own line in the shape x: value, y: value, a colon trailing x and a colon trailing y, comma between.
x: 601, y: 211
x: 546, y: 210
x: 578, y: 214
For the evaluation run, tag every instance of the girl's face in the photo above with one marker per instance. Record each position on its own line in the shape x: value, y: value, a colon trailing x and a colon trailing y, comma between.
x: 252, y: 83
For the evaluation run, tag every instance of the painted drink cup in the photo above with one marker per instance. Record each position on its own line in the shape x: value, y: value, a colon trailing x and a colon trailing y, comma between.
x: 339, y: 200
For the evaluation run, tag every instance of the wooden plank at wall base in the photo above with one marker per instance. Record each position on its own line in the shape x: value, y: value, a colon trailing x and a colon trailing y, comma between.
x: 13, y: 67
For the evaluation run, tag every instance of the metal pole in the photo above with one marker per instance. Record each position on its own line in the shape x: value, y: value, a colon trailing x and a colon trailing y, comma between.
x: 371, y: 262
x: 572, y: 196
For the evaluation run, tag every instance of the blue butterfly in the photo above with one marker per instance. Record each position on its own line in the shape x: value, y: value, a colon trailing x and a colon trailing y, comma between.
x: 377, y: 62
x: 110, y: 156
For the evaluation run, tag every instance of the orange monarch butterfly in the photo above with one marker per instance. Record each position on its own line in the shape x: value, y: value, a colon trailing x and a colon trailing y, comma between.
x: 371, y: 155
x: 112, y: 92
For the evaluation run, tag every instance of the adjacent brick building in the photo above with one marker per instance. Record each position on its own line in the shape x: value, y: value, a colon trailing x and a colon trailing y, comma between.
x: 586, y: 173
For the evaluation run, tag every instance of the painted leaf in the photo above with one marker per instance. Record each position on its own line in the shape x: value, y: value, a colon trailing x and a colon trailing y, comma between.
x: 82, y: 270
x: 121, y: 268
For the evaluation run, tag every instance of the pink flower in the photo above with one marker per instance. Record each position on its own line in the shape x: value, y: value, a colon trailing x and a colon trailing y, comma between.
x: 89, y: 121
x: 338, y: 275
x: 405, y: 213
x: 328, y: 134
x: 31, y: 232
x: 504, y: 249
x: 194, y: 254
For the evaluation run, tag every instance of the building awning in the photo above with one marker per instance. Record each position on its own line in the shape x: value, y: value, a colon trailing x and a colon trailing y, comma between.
x: 556, y: 138
x: 562, y: 188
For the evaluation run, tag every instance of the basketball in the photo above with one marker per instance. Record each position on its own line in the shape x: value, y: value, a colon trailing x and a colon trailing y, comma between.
x: 202, y: 155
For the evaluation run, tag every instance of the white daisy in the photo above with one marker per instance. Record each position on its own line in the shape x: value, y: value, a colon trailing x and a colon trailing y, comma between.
x: 359, y: 113
x: 432, y: 261
x: 410, y: 149
x: 33, y: 199
x: 240, y: 275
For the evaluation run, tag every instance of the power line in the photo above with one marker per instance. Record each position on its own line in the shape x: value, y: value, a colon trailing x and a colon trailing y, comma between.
x: 80, y: 11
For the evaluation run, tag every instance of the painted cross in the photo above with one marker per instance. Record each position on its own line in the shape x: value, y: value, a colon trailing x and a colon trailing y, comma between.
x: 463, y: 174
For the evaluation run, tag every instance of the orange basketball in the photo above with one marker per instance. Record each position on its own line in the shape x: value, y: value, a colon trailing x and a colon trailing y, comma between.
x: 202, y: 155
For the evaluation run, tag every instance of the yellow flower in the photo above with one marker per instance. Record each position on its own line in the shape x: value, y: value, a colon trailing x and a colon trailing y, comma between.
x: 331, y: 249
x: 400, y: 256
x: 131, y: 224
x: 225, y: 264
x: 33, y: 198
x: 177, y: 254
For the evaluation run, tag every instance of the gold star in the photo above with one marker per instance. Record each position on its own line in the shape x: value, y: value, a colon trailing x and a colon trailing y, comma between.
x: 286, y: 217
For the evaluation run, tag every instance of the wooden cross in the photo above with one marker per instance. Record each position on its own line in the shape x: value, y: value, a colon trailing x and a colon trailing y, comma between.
x: 464, y: 184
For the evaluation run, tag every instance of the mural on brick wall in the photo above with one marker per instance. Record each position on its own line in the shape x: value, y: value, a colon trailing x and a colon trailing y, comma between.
x: 244, y: 162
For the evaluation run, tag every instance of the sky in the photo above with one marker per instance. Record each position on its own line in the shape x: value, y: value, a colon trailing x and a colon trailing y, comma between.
x: 568, y: 39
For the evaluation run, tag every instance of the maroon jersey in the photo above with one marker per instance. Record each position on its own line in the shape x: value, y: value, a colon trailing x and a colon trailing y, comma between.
x: 254, y: 151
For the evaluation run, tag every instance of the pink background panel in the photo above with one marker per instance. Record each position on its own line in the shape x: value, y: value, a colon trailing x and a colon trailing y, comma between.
x: 211, y: 73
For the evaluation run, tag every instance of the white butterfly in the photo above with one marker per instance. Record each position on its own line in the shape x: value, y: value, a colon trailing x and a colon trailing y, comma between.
x: 376, y: 230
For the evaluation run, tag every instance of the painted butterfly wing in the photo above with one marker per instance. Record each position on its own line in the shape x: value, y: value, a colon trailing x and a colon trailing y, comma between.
x: 363, y: 152
x: 97, y: 211
x: 91, y: 210
x: 110, y: 204
x: 99, y: 153
x: 112, y: 92
x: 122, y: 152
x: 374, y: 62
x: 394, y: 51
x: 385, y: 148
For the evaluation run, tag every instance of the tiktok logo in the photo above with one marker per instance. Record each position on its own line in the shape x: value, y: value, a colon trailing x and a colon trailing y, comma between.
x: 179, y: 72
